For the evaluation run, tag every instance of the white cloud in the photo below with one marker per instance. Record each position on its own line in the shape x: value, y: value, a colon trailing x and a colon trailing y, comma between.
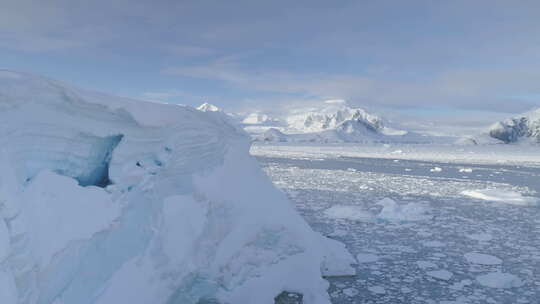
x: 167, y: 96
x: 461, y: 88
x: 189, y: 50
x: 454, y: 54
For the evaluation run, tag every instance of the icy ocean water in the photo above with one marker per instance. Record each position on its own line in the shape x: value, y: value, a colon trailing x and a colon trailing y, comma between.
x: 422, y: 260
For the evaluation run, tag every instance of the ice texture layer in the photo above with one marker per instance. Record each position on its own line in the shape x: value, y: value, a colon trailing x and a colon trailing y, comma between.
x: 111, y: 200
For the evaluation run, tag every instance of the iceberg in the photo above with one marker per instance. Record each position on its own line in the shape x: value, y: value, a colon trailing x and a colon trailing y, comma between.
x: 111, y: 200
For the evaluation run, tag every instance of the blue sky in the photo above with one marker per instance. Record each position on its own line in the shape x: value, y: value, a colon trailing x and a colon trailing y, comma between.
x: 408, y: 58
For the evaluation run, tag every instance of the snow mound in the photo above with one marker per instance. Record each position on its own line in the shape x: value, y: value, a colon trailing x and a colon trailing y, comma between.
x: 499, y: 280
x: 508, y: 197
x: 110, y: 200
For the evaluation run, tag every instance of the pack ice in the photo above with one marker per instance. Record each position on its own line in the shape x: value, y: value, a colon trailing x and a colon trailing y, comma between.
x: 110, y: 200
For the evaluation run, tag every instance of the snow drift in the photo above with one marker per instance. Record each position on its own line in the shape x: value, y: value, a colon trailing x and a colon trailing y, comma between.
x: 110, y: 200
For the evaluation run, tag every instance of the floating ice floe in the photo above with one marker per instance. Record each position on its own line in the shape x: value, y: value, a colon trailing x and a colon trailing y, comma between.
x: 393, y: 211
x: 444, y: 275
x: 482, y: 259
x: 466, y: 170
x: 426, y: 264
x: 436, y: 169
x: 377, y: 289
x: 349, y: 212
x: 366, y: 258
x: 503, y: 196
x: 460, y: 285
x: 350, y: 292
x: 481, y: 237
x: 434, y: 244
x: 499, y: 280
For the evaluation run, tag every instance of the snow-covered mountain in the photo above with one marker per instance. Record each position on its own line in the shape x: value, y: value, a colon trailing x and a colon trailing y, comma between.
x: 518, y: 129
x: 332, y: 116
x: 524, y: 128
x: 208, y: 107
x: 336, y: 122
x: 111, y: 200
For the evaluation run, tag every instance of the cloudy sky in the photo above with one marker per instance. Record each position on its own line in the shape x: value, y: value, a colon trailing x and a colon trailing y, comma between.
x: 462, y: 62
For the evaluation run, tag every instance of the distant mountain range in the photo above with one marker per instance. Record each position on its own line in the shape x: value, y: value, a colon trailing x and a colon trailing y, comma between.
x: 333, y: 122
x: 336, y: 122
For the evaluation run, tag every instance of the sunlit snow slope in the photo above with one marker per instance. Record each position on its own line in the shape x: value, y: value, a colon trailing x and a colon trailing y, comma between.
x: 110, y: 200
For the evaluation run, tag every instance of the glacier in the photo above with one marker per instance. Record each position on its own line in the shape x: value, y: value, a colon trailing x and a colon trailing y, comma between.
x: 111, y: 200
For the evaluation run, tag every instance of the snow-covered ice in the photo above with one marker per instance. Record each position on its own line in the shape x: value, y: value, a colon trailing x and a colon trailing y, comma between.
x: 482, y: 259
x: 434, y: 243
x: 350, y: 292
x: 460, y: 285
x: 355, y: 213
x: 496, y: 195
x: 426, y: 264
x: 377, y: 289
x: 366, y: 258
x: 481, y: 237
x: 111, y: 200
x: 393, y: 211
x: 443, y: 274
x: 499, y: 280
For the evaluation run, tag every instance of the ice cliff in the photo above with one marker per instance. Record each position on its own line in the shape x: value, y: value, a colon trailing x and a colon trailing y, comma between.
x: 110, y: 200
